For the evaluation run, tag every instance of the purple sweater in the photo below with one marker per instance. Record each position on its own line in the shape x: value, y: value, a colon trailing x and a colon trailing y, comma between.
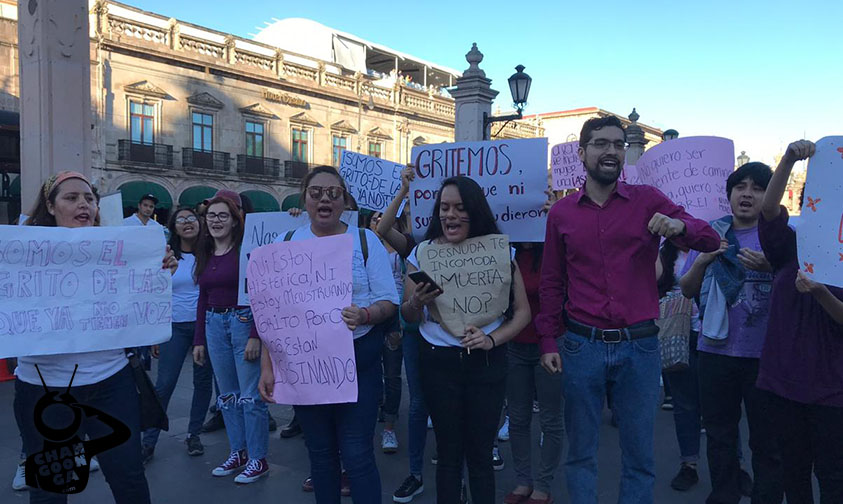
x: 802, y: 358
x: 218, y: 289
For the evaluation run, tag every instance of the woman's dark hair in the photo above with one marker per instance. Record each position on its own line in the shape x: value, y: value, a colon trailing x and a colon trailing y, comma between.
x: 668, y: 255
x: 482, y: 220
x: 205, y: 245
x: 175, y: 239
x: 537, y: 250
x: 330, y: 170
x: 41, y: 216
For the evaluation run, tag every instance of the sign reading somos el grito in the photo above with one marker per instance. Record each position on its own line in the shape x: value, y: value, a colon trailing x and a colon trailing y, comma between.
x: 373, y: 182
x: 297, y: 292
x: 820, y: 232
x: 512, y: 173
x: 70, y: 290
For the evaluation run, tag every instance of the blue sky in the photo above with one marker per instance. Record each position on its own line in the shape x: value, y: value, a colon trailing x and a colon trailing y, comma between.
x: 763, y: 73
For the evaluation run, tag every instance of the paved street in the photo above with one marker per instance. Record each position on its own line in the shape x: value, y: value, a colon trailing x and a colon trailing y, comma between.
x: 178, y: 479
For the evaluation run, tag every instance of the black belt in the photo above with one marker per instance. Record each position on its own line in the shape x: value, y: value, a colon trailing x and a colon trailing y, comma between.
x: 636, y: 331
x: 230, y: 309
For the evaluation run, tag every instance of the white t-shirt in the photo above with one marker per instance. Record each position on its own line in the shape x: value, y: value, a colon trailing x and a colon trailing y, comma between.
x: 430, y: 329
x: 134, y: 220
x: 94, y: 367
x: 185, y: 290
x: 373, y: 281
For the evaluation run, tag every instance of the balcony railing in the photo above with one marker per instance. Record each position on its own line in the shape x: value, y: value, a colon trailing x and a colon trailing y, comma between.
x: 146, y: 153
x: 214, y: 161
x: 261, y: 166
x: 297, y: 169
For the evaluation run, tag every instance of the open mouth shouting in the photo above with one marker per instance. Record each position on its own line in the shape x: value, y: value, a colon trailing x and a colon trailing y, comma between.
x: 83, y: 218
x: 324, y: 211
x: 609, y: 163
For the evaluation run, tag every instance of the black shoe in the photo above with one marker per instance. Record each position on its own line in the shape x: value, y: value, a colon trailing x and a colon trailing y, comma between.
x: 746, y: 484
x: 667, y: 404
x: 686, y: 478
x: 194, y: 446
x: 292, y: 429
x: 214, y: 423
x: 273, y: 425
x: 409, y: 489
x: 497, y: 460
x: 146, y: 454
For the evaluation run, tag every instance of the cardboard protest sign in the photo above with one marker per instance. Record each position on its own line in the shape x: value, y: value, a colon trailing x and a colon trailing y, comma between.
x: 297, y: 292
x: 111, y: 209
x: 70, y: 290
x: 692, y: 172
x: 512, y: 173
x: 373, y: 182
x: 819, y: 236
x: 566, y: 169
x: 263, y: 228
x: 475, y: 276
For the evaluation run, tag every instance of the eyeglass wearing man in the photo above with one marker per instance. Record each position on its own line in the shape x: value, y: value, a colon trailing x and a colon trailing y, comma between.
x: 597, y: 270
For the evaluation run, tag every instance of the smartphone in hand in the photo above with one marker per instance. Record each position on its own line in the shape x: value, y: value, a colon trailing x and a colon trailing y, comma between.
x: 422, y: 277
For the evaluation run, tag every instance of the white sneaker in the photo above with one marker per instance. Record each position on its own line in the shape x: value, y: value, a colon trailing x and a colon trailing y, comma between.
x: 19, y: 482
x: 503, y: 433
x: 429, y: 423
x: 95, y: 466
x: 389, y: 442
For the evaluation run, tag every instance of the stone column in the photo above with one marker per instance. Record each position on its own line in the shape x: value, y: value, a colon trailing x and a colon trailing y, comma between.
x: 635, y: 139
x: 472, y: 99
x: 55, y: 89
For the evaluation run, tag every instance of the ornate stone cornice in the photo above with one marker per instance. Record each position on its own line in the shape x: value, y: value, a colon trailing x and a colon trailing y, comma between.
x: 378, y: 133
x: 258, y: 110
x: 304, y: 118
x: 344, y: 127
x: 204, y: 99
x: 145, y: 87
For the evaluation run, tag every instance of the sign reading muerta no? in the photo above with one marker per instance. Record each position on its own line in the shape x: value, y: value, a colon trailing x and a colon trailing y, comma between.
x: 475, y: 276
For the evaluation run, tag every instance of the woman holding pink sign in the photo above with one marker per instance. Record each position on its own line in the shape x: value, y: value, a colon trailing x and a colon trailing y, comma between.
x: 335, y: 432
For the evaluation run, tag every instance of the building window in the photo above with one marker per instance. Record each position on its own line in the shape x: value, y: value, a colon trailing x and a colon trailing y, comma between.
x: 203, y: 132
x: 339, y: 145
x: 142, y: 122
x: 375, y: 149
x: 254, y: 139
x: 300, y: 145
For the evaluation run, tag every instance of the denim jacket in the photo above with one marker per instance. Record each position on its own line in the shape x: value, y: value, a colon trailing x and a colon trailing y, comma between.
x: 721, y: 286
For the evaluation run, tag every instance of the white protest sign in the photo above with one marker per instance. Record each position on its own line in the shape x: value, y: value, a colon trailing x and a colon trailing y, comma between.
x: 691, y: 172
x: 111, y: 209
x: 263, y: 228
x: 373, y: 182
x: 512, y: 173
x: 298, y: 290
x: 475, y: 276
x: 70, y: 290
x: 566, y: 169
x: 819, y: 236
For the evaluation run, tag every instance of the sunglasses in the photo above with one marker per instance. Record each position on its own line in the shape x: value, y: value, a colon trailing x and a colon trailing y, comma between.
x: 334, y: 192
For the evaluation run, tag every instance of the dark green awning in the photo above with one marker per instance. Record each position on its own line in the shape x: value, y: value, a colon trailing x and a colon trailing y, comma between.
x: 192, y: 196
x: 132, y: 192
x: 262, y: 201
x: 292, y: 201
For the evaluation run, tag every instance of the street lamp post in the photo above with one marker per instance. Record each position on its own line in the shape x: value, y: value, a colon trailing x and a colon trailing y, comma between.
x: 670, y: 134
x: 519, y: 86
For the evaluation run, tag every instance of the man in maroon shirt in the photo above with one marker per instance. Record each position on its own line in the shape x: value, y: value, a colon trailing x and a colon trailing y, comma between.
x: 598, y: 288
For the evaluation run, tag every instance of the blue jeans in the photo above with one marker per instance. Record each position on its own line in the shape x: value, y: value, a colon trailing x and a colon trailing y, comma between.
x: 630, y: 371
x: 170, y: 362
x: 417, y: 421
x: 346, y: 430
x: 685, y: 387
x: 116, y: 396
x: 243, y: 410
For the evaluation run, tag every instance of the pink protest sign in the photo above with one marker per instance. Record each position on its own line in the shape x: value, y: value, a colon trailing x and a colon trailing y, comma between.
x: 692, y: 172
x: 567, y: 171
x: 297, y: 291
x: 819, y: 236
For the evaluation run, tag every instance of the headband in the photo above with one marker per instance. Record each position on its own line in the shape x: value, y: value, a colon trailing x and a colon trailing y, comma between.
x: 58, y: 178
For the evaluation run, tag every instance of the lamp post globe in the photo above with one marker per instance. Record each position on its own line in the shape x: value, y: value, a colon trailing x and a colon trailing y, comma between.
x: 519, y: 86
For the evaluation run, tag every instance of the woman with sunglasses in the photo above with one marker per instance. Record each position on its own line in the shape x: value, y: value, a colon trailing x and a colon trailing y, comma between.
x: 103, y: 379
x: 185, y: 228
x: 463, y: 375
x: 345, y: 431
x: 232, y: 340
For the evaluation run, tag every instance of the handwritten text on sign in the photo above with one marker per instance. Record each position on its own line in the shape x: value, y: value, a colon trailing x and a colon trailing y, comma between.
x: 567, y: 171
x: 297, y: 291
x: 820, y: 232
x: 261, y: 229
x: 373, y: 182
x: 691, y: 172
x: 475, y: 276
x: 68, y: 290
x: 512, y: 173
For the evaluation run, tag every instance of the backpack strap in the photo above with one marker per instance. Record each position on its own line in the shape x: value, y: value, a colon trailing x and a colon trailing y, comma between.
x: 289, y: 235
x: 364, y: 245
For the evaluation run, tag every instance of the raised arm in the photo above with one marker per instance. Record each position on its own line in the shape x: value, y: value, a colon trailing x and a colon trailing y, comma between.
x: 796, y: 151
x: 386, y: 227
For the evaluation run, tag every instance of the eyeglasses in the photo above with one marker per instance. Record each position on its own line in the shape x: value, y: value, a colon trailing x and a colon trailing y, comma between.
x: 603, y: 144
x: 334, y: 192
x: 185, y: 220
x: 222, y: 217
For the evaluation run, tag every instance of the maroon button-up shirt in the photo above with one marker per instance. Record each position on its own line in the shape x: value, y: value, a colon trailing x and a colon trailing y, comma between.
x: 599, y: 262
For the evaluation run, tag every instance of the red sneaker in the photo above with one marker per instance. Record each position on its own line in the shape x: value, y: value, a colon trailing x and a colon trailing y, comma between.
x: 235, y: 461
x: 254, y: 470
